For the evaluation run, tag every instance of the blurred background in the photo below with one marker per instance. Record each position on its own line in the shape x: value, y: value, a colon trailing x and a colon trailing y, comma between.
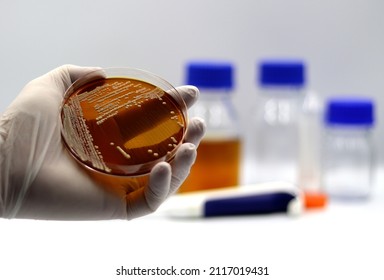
x: 341, y: 42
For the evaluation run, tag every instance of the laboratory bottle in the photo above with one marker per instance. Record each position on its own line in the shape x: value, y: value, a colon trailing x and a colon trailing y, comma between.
x: 273, y: 137
x: 219, y: 154
x: 348, y: 148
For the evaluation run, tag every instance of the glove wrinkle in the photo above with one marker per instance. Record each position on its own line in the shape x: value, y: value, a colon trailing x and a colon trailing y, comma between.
x: 159, y: 186
x: 182, y: 164
x: 30, y: 155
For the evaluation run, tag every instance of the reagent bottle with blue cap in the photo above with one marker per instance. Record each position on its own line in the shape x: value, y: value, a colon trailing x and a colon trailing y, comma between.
x: 219, y: 155
x: 273, y: 138
x: 348, y: 150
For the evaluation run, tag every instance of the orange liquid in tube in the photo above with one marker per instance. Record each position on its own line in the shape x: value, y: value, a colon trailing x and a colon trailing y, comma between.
x: 216, y: 166
x: 119, y: 128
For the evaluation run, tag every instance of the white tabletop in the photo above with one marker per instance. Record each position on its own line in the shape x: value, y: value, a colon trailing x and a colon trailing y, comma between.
x: 342, y: 241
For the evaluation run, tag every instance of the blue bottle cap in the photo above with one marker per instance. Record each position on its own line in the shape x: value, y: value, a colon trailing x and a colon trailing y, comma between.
x: 210, y: 74
x: 349, y: 111
x: 281, y: 73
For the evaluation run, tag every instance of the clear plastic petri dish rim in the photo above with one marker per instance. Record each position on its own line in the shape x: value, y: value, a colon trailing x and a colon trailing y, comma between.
x: 122, y: 121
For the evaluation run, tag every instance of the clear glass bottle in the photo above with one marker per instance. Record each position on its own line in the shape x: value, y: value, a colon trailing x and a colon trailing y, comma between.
x: 348, y: 150
x: 273, y: 136
x: 218, y: 155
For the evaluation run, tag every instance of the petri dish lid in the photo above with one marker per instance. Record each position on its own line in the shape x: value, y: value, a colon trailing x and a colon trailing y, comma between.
x: 122, y: 121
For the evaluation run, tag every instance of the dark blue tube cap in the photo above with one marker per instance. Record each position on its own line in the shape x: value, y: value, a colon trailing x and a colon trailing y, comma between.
x: 349, y: 111
x: 210, y: 74
x: 281, y: 73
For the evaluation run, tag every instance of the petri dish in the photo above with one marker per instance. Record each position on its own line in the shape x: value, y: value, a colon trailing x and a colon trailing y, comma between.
x: 118, y: 123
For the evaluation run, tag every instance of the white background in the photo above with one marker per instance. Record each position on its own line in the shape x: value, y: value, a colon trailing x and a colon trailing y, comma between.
x: 342, y: 41
x: 343, y: 44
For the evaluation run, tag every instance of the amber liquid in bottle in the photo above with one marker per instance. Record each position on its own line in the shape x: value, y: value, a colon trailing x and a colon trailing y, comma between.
x: 216, y: 166
x: 119, y: 128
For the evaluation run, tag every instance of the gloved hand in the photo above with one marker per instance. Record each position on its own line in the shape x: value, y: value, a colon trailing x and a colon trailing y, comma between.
x: 40, y: 180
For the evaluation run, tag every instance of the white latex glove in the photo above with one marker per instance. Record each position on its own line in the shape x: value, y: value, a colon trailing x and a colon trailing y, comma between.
x: 40, y: 180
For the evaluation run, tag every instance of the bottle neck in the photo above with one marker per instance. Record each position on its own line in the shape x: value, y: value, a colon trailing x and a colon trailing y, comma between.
x: 349, y: 130
x: 282, y: 92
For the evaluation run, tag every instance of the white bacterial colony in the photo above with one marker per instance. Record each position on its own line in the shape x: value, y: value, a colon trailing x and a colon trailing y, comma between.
x: 78, y: 137
x: 118, y: 96
x: 107, y: 100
